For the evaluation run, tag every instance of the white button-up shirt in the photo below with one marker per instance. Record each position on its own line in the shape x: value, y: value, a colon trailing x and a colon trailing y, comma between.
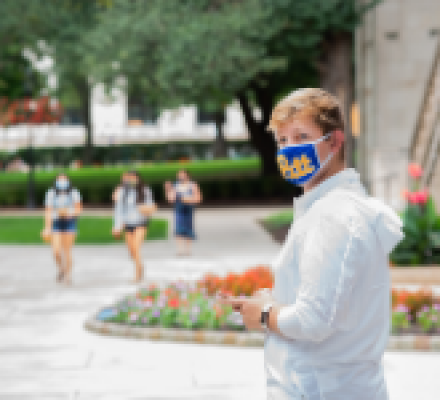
x: 332, y: 278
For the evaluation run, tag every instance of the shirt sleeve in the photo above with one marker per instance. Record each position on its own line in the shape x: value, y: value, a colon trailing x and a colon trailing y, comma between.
x: 330, y: 265
x: 49, y: 199
x: 76, y: 196
x: 118, y: 212
x: 148, y: 196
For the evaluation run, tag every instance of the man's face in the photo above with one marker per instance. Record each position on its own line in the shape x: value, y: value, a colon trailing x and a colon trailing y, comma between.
x: 303, y: 130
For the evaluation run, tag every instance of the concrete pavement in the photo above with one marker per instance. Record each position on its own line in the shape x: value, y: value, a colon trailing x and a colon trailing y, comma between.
x: 46, y: 354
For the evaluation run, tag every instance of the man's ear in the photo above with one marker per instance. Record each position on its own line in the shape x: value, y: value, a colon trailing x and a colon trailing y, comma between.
x: 338, y: 139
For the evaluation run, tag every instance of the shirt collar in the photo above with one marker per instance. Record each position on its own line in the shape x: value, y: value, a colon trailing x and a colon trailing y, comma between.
x: 343, y: 178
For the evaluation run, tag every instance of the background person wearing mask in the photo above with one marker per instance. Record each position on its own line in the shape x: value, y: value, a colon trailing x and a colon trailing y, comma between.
x: 134, y: 205
x: 185, y: 195
x: 327, y: 318
x: 63, y: 206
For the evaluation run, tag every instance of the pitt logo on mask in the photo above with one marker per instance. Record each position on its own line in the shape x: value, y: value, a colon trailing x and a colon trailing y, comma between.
x: 298, y: 168
x: 300, y: 162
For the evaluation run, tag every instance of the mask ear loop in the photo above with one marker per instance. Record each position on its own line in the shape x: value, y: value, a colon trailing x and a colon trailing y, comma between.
x: 329, y: 157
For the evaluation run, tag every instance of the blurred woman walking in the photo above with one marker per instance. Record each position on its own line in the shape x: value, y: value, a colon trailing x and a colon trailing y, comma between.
x: 134, y: 204
x: 63, y: 206
x: 185, y: 195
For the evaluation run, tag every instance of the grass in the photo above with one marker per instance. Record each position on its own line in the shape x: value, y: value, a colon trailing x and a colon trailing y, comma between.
x: 91, y: 230
x: 279, y: 219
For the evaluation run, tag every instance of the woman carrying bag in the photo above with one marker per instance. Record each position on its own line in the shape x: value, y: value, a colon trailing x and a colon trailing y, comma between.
x: 134, y: 205
x: 63, y: 206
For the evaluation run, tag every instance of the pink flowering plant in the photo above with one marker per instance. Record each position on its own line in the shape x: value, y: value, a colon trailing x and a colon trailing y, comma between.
x: 400, y: 318
x: 178, y: 305
x: 429, y: 318
x: 421, y: 226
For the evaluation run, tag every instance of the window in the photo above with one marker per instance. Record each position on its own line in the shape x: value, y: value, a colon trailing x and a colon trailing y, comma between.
x: 72, y: 116
x: 138, y: 111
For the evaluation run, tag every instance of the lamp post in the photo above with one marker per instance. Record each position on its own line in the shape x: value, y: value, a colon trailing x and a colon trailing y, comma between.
x: 31, y: 178
x: 31, y: 175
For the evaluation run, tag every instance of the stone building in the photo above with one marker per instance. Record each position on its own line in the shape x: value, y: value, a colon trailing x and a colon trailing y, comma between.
x: 398, y: 95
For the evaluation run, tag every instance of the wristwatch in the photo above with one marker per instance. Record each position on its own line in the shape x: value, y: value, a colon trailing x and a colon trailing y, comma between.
x: 265, y: 316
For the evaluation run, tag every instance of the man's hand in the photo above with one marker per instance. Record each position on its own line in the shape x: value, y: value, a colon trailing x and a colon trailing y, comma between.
x: 249, y: 308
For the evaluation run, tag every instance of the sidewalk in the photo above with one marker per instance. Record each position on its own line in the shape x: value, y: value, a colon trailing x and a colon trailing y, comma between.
x: 46, y: 354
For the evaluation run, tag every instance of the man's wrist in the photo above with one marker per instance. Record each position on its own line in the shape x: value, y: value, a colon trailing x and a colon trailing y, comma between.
x: 272, y: 322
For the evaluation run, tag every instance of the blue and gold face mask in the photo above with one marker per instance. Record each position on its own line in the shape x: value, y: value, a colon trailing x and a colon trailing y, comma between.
x: 299, y: 163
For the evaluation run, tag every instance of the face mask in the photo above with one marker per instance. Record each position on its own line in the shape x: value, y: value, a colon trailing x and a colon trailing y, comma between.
x: 130, y: 185
x: 62, y: 184
x: 299, y: 163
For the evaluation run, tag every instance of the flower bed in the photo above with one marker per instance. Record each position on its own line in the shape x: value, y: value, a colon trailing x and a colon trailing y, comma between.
x: 415, y: 312
x: 195, y: 306
x: 179, y: 305
x: 189, y: 305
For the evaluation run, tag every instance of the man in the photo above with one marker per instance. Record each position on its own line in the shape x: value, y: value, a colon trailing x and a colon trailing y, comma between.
x: 327, y: 317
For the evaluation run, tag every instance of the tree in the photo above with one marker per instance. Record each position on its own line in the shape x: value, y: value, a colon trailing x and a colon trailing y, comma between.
x: 59, y: 29
x: 209, y: 52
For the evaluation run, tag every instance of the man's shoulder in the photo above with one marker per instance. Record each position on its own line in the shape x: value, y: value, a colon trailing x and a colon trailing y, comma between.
x: 343, y: 206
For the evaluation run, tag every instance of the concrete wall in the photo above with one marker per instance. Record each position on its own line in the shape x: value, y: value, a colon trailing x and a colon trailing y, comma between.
x: 395, y: 47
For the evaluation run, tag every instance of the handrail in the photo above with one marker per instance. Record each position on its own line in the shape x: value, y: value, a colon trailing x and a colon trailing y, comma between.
x: 424, y: 104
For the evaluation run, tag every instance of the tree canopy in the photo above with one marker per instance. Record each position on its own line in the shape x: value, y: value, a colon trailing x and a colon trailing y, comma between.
x: 209, y: 52
x: 175, y: 52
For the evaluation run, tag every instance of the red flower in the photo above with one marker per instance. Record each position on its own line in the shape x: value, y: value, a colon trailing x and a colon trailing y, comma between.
x: 173, y: 303
x: 415, y: 171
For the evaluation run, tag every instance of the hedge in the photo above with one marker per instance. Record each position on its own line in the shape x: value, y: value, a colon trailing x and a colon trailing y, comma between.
x: 220, y: 181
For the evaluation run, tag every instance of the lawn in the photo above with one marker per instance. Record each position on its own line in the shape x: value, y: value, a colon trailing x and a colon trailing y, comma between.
x: 279, y: 219
x: 91, y: 230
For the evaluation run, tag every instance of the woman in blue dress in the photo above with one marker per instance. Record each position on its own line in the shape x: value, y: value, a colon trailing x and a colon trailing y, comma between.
x: 185, y: 195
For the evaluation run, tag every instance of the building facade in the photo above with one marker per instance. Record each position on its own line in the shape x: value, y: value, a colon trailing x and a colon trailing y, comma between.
x: 395, y: 51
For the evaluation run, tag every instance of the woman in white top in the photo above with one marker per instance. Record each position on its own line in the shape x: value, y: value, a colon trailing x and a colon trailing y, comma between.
x: 63, y: 206
x: 327, y: 318
x: 134, y: 204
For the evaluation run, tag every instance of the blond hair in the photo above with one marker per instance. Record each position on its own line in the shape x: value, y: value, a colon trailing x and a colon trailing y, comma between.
x: 322, y: 107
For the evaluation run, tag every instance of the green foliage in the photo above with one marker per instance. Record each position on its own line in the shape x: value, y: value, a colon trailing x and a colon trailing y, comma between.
x: 127, y: 153
x: 220, y: 180
x: 421, y: 244
x: 429, y: 318
x: 91, y: 230
x: 400, y: 319
x: 277, y: 220
x: 208, y: 51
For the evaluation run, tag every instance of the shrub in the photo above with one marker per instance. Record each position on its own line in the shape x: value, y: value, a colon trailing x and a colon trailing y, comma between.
x: 421, y: 226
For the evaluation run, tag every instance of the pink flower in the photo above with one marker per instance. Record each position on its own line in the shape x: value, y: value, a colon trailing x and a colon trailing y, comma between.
x: 418, y: 197
x: 423, y: 197
x: 415, y: 170
x: 413, y: 198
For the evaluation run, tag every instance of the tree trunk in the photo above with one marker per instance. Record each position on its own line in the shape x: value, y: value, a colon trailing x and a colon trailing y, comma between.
x: 84, y: 95
x: 336, y: 76
x: 220, y: 143
x: 262, y: 140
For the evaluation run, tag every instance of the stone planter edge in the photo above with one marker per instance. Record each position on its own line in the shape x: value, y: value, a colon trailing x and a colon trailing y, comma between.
x: 233, y: 338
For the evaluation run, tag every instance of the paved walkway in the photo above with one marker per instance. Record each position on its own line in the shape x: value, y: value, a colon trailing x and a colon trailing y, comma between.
x: 46, y: 354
